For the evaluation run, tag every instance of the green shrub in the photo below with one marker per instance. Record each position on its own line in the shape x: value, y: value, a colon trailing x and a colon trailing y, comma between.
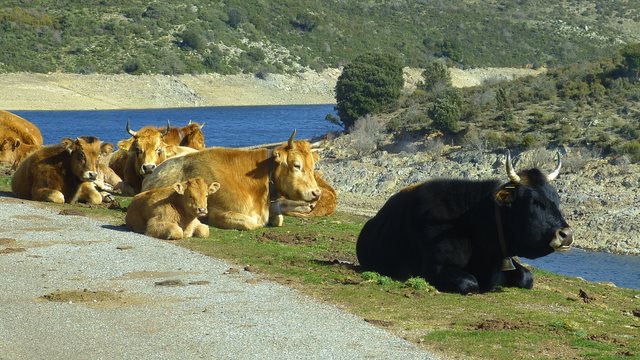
x: 631, y: 55
x: 193, y: 38
x: 371, y: 83
x: 435, y: 73
x: 446, y: 111
x: 632, y: 148
x: 418, y: 283
x: 376, y: 278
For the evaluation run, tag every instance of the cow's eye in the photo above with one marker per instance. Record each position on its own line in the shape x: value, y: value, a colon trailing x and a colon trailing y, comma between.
x: 297, y: 166
x: 80, y: 156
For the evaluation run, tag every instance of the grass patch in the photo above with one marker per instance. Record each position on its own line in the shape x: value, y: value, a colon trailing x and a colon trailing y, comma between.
x: 317, y: 257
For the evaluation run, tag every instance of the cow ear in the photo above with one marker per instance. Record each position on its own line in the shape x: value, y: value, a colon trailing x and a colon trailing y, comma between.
x: 68, y: 144
x: 279, y: 157
x: 178, y: 188
x: 214, y: 187
x: 504, y: 196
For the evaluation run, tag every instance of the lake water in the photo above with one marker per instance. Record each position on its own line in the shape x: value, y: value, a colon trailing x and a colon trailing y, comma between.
x: 224, y: 126
x: 242, y: 126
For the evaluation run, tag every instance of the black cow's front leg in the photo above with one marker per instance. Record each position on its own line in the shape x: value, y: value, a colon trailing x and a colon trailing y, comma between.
x: 453, y: 279
x: 520, y: 277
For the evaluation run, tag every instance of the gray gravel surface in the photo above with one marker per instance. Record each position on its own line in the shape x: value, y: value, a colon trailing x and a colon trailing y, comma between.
x: 76, y: 288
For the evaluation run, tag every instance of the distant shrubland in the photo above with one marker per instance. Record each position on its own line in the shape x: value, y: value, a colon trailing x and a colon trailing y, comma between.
x: 198, y: 36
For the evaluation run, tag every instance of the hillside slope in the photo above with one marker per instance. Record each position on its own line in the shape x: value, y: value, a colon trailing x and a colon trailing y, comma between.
x: 199, y: 36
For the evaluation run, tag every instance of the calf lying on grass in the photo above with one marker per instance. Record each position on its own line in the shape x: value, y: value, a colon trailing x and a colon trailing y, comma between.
x: 172, y: 212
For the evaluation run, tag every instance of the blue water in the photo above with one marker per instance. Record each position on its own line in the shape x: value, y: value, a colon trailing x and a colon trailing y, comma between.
x: 224, y: 126
x: 242, y: 126
x: 622, y: 270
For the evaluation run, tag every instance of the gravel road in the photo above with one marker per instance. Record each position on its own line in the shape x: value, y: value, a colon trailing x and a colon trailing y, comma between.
x: 76, y: 288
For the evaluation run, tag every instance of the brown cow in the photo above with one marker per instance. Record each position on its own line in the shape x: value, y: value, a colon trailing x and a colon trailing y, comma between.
x: 171, y: 135
x: 192, y: 136
x: 18, y: 138
x: 13, y: 151
x: 252, y: 182
x: 59, y: 173
x: 145, y: 153
x: 327, y: 203
x: 171, y: 212
x: 108, y: 179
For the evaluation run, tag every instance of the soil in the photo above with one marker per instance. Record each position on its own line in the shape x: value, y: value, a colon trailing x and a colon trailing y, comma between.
x: 97, y: 298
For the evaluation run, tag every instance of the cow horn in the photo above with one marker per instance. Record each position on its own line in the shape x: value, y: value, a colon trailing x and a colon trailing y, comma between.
x: 510, y: 172
x: 189, y: 122
x: 293, y: 134
x: 166, y: 131
x: 554, y: 174
x: 202, y: 125
x: 131, y: 132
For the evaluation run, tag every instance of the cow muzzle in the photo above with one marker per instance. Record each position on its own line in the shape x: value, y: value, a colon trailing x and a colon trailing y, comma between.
x: 315, y: 194
x: 147, y: 169
x: 202, y: 212
x: 562, y: 240
x: 90, y: 175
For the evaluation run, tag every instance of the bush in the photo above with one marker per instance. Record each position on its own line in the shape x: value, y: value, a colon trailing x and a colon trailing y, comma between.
x: 434, y: 74
x: 376, y: 278
x: 632, y: 148
x: 370, y: 84
x: 631, y: 55
x: 193, y: 38
x: 446, y: 111
x: 365, y: 134
x: 418, y: 283
x: 235, y: 17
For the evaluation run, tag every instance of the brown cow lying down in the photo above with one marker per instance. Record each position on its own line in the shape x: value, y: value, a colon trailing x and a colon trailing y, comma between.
x: 60, y: 173
x: 172, y: 212
x: 13, y: 151
x: 18, y: 138
x: 256, y: 186
x: 327, y: 203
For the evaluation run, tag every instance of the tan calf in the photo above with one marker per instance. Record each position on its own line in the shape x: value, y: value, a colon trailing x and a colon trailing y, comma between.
x: 60, y: 173
x: 172, y: 212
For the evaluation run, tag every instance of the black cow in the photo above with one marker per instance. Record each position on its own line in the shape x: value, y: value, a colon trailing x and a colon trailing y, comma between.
x: 460, y: 235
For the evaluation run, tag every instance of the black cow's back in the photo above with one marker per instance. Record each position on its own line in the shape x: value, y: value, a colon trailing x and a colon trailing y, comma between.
x: 431, y: 220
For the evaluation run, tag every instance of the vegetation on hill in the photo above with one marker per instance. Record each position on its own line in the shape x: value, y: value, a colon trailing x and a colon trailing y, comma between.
x: 196, y: 36
x: 592, y: 105
x: 371, y: 83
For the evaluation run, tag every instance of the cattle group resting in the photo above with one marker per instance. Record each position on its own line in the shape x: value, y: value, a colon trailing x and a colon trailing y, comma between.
x: 462, y: 235
x: 257, y: 186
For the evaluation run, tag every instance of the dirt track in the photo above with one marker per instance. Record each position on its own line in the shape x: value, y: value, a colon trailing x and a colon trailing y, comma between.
x: 76, y: 288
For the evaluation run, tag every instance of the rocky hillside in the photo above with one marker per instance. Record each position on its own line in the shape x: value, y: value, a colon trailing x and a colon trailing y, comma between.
x: 601, y: 201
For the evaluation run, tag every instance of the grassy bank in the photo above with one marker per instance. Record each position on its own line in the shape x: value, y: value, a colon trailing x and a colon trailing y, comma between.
x: 561, y: 318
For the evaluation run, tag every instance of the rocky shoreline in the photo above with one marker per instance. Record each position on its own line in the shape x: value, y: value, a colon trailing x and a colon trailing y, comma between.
x: 601, y: 201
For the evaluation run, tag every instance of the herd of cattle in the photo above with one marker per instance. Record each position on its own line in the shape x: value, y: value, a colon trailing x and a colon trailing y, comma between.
x: 460, y: 235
